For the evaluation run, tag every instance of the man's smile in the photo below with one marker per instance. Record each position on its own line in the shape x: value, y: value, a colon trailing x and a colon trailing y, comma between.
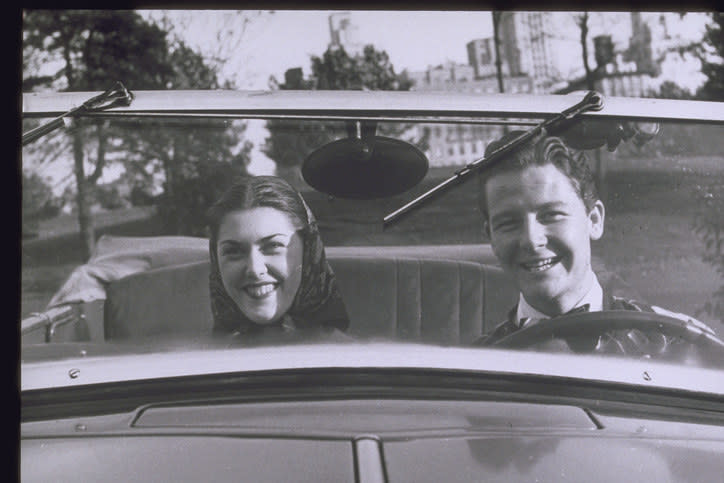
x: 539, y: 265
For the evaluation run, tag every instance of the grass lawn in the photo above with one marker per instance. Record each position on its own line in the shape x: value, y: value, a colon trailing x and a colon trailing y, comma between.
x: 648, y: 238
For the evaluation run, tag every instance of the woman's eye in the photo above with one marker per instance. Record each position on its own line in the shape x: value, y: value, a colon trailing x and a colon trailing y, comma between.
x: 273, y: 247
x: 229, y: 252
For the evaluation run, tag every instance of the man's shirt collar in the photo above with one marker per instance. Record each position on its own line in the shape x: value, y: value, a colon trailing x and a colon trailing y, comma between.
x: 527, y: 315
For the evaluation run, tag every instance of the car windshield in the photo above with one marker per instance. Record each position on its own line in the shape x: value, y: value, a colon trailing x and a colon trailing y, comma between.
x: 426, y: 240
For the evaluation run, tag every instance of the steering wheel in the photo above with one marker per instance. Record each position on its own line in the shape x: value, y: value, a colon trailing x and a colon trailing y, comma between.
x: 581, y: 331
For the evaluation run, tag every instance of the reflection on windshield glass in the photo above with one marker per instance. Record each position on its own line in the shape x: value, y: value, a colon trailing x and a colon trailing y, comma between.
x: 651, y: 229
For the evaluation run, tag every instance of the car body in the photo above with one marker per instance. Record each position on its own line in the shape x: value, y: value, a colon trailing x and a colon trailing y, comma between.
x: 121, y: 381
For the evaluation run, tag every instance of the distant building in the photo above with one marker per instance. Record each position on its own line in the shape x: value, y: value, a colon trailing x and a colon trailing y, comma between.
x: 540, y: 52
x: 628, y: 72
x: 639, y: 50
x: 449, y: 76
x: 455, y: 144
x: 481, y: 55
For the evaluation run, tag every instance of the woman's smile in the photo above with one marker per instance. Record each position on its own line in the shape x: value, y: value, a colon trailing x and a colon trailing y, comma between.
x: 260, y: 290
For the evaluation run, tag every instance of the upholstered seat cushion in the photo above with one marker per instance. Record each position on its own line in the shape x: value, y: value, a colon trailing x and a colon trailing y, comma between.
x: 437, y: 301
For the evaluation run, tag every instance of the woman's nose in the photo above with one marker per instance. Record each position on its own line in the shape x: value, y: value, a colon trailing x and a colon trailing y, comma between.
x: 256, y: 263
x: 533, y: 234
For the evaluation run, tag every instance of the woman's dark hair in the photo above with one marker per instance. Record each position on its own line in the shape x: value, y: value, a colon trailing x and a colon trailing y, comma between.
x: 539, y: 151
x: 257, y: 192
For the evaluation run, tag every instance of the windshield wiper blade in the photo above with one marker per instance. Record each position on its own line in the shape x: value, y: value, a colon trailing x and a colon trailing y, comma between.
x: 116, y: 96
x: 592, y: 101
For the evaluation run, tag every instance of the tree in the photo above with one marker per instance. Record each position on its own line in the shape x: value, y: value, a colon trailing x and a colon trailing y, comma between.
x: 497, y: 15
x: 196, y: 158
x: 38, y: 201
x: 582, y: 21
x: 223, y: 45
x: 94, y: 48
x: 671, y: 90
x: 711, y: 53
x: 290, y: 142
x: 709, y: 224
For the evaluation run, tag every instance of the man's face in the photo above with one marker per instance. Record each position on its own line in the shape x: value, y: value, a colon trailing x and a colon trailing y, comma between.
x: 541, y: 233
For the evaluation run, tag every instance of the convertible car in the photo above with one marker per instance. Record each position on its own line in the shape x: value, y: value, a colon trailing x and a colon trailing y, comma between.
x: 122, y: 381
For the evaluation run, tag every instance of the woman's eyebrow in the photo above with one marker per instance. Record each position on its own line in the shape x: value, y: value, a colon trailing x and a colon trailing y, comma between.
x: 269, y: 237
x: 229, y: 241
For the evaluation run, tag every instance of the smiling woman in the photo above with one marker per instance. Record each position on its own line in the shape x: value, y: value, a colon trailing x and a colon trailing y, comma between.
x: 269, y: 272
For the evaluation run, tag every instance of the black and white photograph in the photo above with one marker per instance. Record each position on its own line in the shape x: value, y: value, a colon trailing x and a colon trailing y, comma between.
x: 371, y: 245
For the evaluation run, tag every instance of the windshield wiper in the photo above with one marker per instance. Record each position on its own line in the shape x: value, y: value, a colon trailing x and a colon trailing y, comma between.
x: 117, y: 95
x: 592, y: 101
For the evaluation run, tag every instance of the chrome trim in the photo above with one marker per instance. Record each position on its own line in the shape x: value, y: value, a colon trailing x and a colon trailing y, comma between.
x: 118, y: 368
x: 375, y: 104
x: 48, y: 320
x: 368, y: 460
x: 312, y: 117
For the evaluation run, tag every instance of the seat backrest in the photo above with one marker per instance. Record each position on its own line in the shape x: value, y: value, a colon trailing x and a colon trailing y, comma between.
x: 437, y: 301
x: 169, y: 300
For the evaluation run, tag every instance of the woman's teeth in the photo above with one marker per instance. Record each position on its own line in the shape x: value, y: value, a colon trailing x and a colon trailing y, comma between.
x: 261, y: 290
x: 540, y: 265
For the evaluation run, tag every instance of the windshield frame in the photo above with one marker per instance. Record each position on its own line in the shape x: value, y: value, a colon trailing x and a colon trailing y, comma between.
x: 359, y: 105
x: 379, y: 105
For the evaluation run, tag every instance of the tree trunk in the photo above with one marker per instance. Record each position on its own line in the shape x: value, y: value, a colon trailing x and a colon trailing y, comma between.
x: 85, y: 218
x: 599, y: 172
x: 496, y: 45
x: 583, y: 24
x: 169, y: 192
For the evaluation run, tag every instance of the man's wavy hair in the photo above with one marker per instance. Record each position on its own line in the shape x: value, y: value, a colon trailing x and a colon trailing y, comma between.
x: 539, y: 151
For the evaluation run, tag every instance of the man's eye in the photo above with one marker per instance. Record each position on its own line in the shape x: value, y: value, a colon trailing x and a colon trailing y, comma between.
x: 551, y: 216
x: 504, y: 225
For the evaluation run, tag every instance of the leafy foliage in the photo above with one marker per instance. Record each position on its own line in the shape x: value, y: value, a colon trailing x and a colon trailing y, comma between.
x: 38, y: 199
x: 709, y: 222
x: 291, y: 142
x: 671, y: 90
x: 92, y: 49
x: 709, y: 227
x: 712, y: 60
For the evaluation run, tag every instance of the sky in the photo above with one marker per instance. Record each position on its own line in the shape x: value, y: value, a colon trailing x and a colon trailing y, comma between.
x: 274, y: 42
x: 414, y: 40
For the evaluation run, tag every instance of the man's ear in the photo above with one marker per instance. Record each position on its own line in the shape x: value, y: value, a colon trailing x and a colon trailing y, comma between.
x: 596, y: 217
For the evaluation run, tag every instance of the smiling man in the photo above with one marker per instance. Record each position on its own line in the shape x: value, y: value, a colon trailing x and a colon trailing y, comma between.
x: 542, y: 212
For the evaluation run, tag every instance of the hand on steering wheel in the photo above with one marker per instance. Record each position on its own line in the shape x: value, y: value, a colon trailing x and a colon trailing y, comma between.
x: 640, y: 333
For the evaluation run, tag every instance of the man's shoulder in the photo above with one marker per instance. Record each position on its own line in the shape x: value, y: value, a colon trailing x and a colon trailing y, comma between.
x: 623, y: 303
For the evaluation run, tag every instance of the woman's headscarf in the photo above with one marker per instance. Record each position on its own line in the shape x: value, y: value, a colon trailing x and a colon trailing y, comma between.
x: 317, y: 303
